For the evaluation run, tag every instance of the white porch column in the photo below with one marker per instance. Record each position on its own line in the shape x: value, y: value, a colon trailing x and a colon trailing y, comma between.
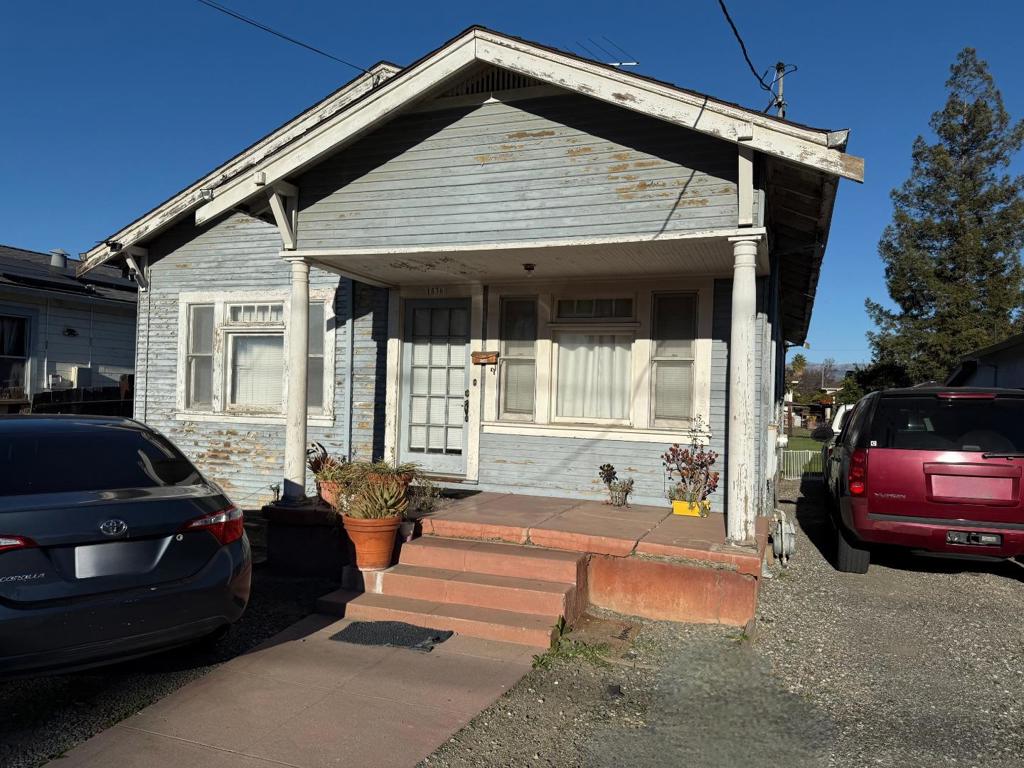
x: 298, y: 354
x: 741, y: 494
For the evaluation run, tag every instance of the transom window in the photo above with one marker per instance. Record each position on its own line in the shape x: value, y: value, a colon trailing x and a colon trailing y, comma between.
x: 256, y: 313
x: 234, y: 357
x: 595, y: 309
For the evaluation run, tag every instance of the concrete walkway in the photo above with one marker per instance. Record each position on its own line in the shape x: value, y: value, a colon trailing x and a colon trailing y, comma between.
x: 304, y: 700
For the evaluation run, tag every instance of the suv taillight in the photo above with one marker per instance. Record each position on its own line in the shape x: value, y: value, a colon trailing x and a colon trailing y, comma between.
x: 857, y: 479
x: 227, y: 525
x: 7, y: 543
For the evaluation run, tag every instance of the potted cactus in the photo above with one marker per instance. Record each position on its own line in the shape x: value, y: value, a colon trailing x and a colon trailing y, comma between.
x: 372, y: 521
x: 618, y: 490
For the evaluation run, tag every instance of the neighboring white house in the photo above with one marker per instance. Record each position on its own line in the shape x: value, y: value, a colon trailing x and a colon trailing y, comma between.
x: 58, y: 330
x: 504, y: 262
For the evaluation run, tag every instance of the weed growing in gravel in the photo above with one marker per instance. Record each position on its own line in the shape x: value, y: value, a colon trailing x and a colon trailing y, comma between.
x: 566, y: 649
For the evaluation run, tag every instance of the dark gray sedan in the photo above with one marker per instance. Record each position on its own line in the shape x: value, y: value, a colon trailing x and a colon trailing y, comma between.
x: 112, y: 545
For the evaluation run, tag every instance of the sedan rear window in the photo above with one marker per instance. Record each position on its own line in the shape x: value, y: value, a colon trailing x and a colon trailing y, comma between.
x: 946, y: 424
x: 103, y: 459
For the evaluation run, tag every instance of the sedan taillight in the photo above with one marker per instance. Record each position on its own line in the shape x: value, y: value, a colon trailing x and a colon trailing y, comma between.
x: 858, y: 477
x: 7, y: 543
x: 227, y: 525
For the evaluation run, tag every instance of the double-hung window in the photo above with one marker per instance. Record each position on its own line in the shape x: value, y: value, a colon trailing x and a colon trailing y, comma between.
x: 674, y: 329
x: 13, y: 356
x: 235, y: 352
x: 517, y: 360
x: 594, y: 345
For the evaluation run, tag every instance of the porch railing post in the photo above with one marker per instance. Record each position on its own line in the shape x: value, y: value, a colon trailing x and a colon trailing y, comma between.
x: 298, y: 354
x: 740, y: 470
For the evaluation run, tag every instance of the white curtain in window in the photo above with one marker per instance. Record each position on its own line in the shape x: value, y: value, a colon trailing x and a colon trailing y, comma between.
x: 593, y: 376
x: 257, y: 371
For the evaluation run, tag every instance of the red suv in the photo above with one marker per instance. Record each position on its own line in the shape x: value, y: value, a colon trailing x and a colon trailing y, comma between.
x: 930, y: 468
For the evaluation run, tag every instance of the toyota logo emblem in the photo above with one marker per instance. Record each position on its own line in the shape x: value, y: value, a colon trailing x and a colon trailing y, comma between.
x: 114, y: 527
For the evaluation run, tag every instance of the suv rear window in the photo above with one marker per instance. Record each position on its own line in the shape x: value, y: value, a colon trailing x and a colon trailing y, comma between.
x: 103, y: 459
x: 941, y: 424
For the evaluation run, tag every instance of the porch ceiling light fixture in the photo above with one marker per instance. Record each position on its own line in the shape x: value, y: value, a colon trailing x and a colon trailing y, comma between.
x: 529, y: 269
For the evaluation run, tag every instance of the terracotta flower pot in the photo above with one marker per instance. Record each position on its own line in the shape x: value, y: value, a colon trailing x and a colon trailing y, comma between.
x: 329, y: 492
x: 374, y: 540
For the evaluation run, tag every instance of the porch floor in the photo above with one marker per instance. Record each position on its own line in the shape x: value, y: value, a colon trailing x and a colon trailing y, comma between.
x: 596, y: 528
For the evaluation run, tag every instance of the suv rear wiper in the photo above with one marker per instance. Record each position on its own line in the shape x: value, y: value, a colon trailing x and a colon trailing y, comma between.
x: 1003, y: 455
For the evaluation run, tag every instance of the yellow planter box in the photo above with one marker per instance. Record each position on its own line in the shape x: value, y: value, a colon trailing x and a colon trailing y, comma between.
x: 691, y: 508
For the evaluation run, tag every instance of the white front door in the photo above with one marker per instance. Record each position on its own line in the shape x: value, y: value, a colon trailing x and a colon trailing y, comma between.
x: 434, y: 385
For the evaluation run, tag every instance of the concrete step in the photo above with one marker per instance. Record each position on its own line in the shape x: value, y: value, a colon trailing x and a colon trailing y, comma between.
x: 485, y: 590
x: 488, y: 623
x: 495, y: 559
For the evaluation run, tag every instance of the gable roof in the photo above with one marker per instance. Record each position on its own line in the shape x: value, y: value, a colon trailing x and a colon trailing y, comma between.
x: 21, y: 268
x: 372, y: 99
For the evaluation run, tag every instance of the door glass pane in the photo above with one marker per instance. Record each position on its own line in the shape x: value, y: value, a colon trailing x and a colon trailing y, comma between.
x: 456, y: 380
x: 419, y: 381
x: 418, y: 410
x: 454, y: 440
x: 673, y: 389
x: 439, y: 322
x: 437, y: 406
x: 417, y: 438
x: 437, y: 439
x: 420, y: 353
x: 593, y: 376
x: 439, y: 381
x: 460, y: 323
x: 456, y: 410
x: 257, y: 371
x: 421, y: 322
x: 439, y: 353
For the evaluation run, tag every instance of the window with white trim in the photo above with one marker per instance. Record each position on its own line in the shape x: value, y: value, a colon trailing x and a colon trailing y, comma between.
x: 593, y: 376
x: 674, y: 330
x: 13, y: 357
x: 234, y: 353
x: 199, y: 362
x: 517, y: 358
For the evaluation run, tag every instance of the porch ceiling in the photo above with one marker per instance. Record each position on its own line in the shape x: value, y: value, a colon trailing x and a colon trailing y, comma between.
x: 703, y: 254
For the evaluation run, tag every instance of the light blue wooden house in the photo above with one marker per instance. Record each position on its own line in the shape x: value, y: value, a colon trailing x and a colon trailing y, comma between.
x: 503, y: 262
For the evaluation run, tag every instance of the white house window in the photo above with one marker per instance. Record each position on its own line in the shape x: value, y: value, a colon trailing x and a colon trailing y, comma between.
x: 256, y: 372
x: 315, y: 364
x: 593, y: 376
x: 517, y: 359
x: 13, y: 356
x: 199, y: 363
x: 233, y: 356
x: 674, y: 331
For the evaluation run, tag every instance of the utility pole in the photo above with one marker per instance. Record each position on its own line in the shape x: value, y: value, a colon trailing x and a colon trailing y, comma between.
x: 780, y: 76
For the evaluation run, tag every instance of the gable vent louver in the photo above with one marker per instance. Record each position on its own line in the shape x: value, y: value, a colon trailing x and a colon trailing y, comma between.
x: 491, y: 80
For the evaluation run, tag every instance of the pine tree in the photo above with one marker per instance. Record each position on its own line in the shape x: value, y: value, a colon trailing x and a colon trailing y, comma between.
x: 952, y: 251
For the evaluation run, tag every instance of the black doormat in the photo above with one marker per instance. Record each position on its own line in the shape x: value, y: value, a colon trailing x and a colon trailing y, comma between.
x: 396, y: 634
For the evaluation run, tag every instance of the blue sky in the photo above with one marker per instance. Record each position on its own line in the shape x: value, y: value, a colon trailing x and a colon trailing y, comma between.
x: 111, y: 106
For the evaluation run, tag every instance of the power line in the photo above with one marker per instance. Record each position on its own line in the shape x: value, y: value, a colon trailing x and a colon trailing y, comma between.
x: 265, y: 28
x: 743, y: 47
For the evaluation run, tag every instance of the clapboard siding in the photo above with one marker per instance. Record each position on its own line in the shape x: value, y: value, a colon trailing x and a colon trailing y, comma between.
x: 555, y: 167
x: 104, y: 340
x: 237, y: 253
x: 565, y: 466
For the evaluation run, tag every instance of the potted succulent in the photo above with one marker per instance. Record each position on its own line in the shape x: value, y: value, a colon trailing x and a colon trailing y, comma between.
x: 329, y: 474
x: 618, y: 490
x: 692, y: 466
x: 424, y: 497
x: 380, y: 471
x: 372, y: 519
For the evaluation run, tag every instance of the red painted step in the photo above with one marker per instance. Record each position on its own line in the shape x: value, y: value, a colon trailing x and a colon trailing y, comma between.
x: 489, y: 623
x: 547, y: 598
x: 494, y: 559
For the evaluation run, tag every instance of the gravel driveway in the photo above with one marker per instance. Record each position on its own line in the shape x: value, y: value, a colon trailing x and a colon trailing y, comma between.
x: 918, y: 663
x: 43, y: 717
